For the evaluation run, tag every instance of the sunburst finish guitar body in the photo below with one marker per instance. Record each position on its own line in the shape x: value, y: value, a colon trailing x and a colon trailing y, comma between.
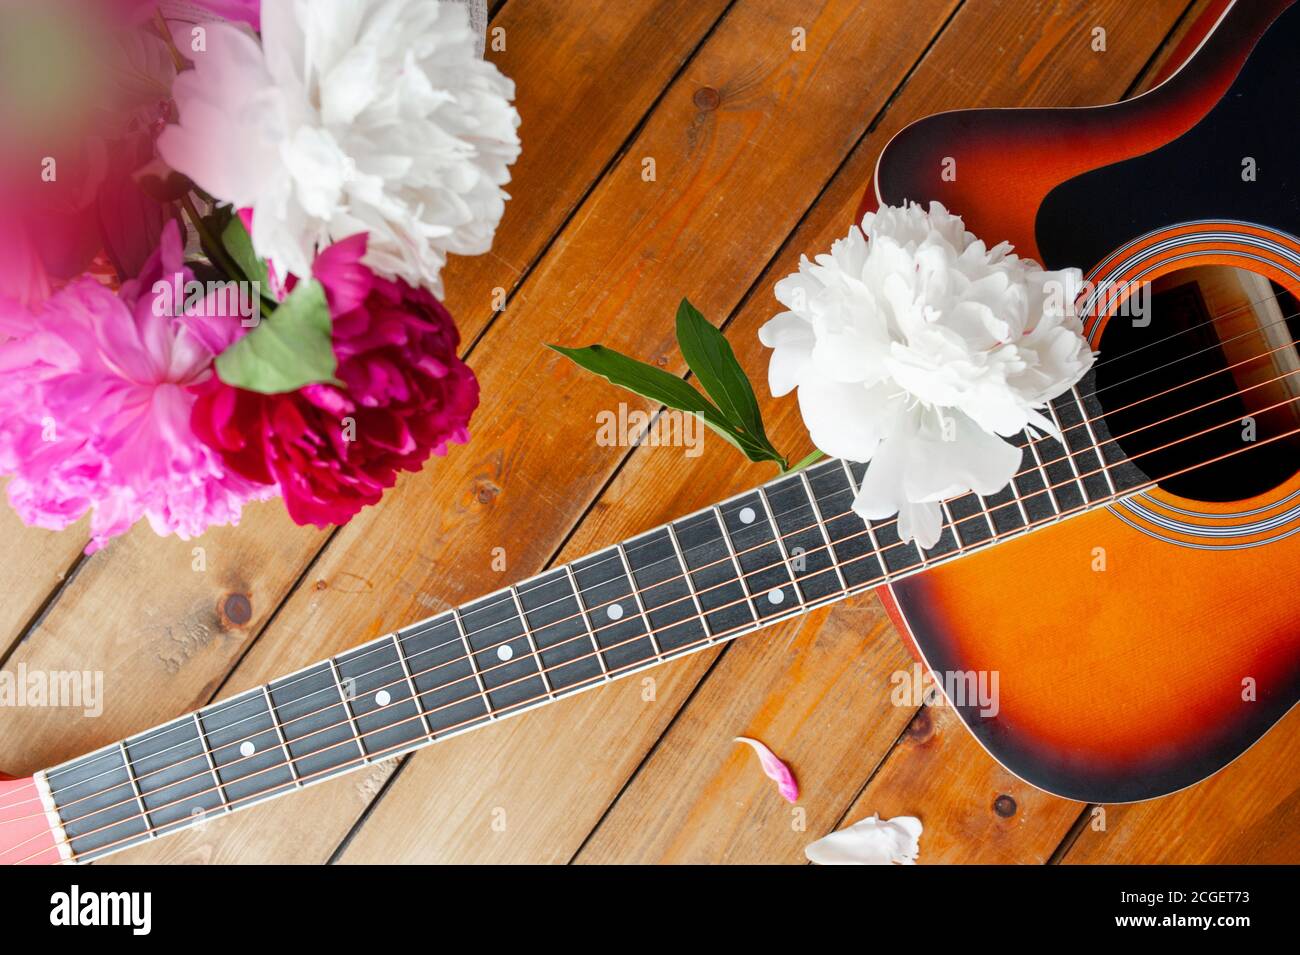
x: 1143, y: 645
x: 1139, y: 646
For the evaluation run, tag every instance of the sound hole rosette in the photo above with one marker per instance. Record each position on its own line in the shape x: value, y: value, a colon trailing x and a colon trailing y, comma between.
x: 1261, y: 515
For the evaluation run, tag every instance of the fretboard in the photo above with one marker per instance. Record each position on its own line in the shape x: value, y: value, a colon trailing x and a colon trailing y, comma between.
x: 727, y: 570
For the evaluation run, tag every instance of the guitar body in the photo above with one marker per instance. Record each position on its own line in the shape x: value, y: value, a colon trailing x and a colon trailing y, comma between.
x: 1140, y: 647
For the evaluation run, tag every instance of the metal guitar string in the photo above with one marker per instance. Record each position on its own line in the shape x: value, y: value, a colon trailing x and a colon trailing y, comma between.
x: 1069, y: 453
x: 864, y: 585
x: 320, y: 775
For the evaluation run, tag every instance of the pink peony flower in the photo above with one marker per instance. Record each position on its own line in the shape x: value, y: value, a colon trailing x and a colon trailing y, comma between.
x: 95, y: 402
x: 334, y: 450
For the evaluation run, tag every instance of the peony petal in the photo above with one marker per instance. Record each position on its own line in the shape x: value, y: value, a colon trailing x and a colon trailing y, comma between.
x: 870, y: 842
x: 774, y: 769
x: 907, y: 326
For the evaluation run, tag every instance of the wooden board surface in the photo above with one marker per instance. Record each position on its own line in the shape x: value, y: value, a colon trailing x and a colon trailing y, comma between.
x: 760, y: 152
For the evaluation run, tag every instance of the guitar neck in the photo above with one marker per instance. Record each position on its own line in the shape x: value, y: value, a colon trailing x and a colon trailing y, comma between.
x: 733, y: 568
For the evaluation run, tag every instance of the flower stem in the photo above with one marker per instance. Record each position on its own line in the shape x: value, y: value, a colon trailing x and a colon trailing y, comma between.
x: 217, y: 251
x: 160, y: 24
x: 813, y: 458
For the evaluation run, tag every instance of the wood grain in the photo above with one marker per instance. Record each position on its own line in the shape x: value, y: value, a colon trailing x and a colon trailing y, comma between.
x: 817, y: 693
x: 137, y: 611
x: 743, y: 140
x: 35, y: 562
x: 632, y: 249
x: 1248, y: 813
x: 682, y: 485
x: 1001, y: 86
x: 972, y: 809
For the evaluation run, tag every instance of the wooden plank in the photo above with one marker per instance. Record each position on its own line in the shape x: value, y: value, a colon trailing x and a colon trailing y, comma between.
x: 161, y: 620
x: 1249, y: 813
x: 972, y: 809
x: 812, y: 692
x: 33, y: 563
x: 137, y: 612
x: 633, y: 249
x: 655, y: 793
x: 542, y: 760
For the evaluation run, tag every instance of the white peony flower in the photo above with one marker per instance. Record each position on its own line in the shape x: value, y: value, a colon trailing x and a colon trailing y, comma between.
x: 894, y: 841
x: 913, y: 347
x: 351, y: 116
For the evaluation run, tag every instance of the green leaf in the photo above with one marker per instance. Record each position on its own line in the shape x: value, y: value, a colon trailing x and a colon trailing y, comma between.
x: 666, y: 389
x: 708, y: 354
x: 290, y: 349
x: 239, y: 244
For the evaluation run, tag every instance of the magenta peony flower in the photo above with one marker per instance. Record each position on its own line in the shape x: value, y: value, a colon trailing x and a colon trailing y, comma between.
x: 334, y: 450
x: 95, y: 401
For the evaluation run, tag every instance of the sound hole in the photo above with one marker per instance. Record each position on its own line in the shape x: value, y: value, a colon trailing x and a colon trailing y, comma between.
x: 1211, y: 349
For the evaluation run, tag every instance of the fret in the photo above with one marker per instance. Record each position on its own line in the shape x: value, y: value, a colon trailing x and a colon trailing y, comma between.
x: 686, y: 575
x: 1063, y: 476
x: 473, y: 663
x: 1006, y: 509
x: 856, y: 554
x: 319, y: 730
x: 135, y: 788
x: 1068, y: 451
x: 561, y: 630
x: 790, y: 503
x: 790, y: 566
x: 666, y: 597
x: 207, y: 754
x: 714, y: 573
x: 451, y: 694
x: 821, y: 528
x: 174, y: 774
x: 899, y: 558
x: 764, y: 571
x: 884, y: 533
x: 381, y: 700
x: 790, y: 544
x: 605, y: 590
x: 1121, y: 473
x: 502, y: 653
x: 346, y: 693
x: 1031, y: 485
x: 97, y: 806
x: 1083, y: 438
x: 591, y: 630
x: 248, y: 749
x: 640, y: 604
x: 947, y: 544
x: 532, y: 643
x: 279, y: 734
x: 971, y: 519
x: 410, y: 681
x: 1032, y: 445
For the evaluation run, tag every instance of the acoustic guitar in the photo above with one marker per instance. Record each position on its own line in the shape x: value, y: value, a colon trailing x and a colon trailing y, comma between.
x: 1137, y: 607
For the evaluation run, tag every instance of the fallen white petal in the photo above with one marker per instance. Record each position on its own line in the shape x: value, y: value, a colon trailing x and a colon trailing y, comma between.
x: 870, y: 842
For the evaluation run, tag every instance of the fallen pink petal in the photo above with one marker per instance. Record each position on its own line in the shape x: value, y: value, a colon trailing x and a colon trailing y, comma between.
x: 775, y: 770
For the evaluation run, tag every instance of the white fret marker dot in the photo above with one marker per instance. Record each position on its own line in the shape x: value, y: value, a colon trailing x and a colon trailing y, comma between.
x: 775, y: 596
x: 615, y: 611
x: 246, y: 748
x: 505, y: 652
x: 382, y: 698
x: 747, y: 515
